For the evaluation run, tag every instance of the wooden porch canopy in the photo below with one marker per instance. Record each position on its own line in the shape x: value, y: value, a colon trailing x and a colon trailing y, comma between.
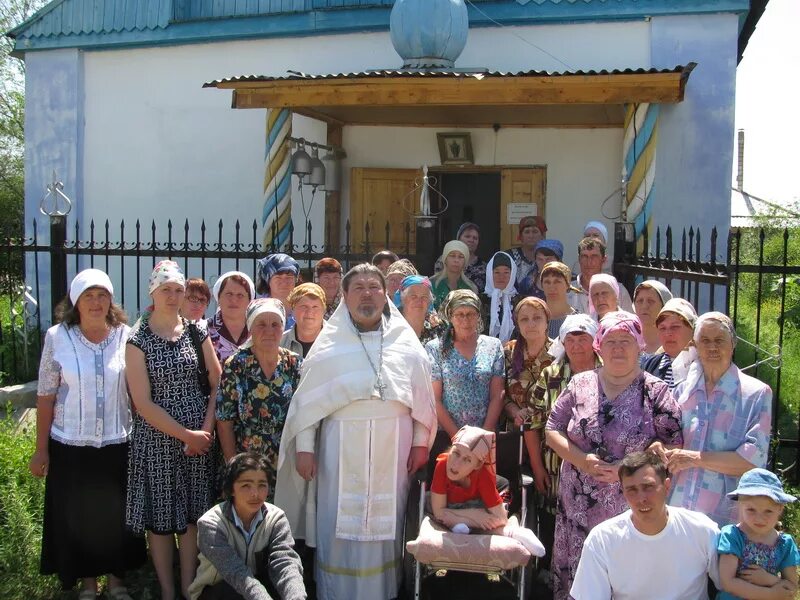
x: 466, y: 99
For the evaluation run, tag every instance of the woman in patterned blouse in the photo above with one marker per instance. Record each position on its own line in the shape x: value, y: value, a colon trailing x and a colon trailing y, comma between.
x: 257, y: 386
x: 227, y: 329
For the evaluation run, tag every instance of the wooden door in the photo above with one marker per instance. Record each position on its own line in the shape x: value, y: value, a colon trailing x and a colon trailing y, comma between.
x: 519, y: 187
x: 378, y: 197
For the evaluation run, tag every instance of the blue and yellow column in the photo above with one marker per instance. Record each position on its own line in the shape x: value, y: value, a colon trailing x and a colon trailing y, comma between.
x: 276, y: 217
x: 639, y: 159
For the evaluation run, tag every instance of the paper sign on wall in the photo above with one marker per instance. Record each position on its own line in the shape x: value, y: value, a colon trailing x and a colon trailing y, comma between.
x: 516, y: 211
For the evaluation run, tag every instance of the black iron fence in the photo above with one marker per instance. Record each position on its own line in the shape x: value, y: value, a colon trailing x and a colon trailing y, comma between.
x: 36, y: 269
x: 753, y: 275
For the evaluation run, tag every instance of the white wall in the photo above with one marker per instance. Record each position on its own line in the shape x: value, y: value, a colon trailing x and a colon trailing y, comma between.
x: 158, y: 146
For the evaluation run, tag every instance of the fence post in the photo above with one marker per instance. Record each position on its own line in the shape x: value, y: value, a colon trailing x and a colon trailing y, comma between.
x: 426, y: 250
x: 58, y: 261
x: 624, y: 252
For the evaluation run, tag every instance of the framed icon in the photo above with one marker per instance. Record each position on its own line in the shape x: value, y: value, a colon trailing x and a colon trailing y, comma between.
x: 455, y: 148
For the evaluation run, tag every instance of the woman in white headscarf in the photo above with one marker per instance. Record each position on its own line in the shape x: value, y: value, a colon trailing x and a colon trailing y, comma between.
x: 649, y: 298
x: 500, y: 296
x: 455, y: 257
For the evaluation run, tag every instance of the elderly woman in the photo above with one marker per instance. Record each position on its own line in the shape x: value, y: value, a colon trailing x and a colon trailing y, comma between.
x: 603, y: 295
x: 395, y: 274
x: 307, y: 302
x: 500, y: 296
x: 470, y: 234
x: 525, y: 357
x: 467, y: 368
x: 83, y: 422
x: 276, y: 276
x: 675, y: 323
x: 554, y: 280
x: 455, y: 256
x: 601, y: 416
x: 414, y: 300
x: 649, y: 298
x: 196, y: 300
x: 727, y: 418
x: 328, y: 275
x: 170, y: 469
x: 257, y: 386
x: 573, y: 353
x: 233, y: 291
x: 531, y: 231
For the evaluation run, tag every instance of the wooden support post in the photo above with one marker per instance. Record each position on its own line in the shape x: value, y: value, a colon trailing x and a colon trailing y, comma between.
x: 333, y: 201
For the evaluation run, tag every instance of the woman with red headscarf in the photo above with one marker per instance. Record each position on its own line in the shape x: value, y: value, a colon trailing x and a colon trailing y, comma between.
x: 601, y: 416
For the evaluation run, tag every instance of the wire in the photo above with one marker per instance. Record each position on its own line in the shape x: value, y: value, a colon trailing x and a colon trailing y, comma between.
x: 519, y: 37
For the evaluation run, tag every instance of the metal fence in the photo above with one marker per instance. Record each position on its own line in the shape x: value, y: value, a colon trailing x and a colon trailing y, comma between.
x: 754, y: 277
x: 36, y: 269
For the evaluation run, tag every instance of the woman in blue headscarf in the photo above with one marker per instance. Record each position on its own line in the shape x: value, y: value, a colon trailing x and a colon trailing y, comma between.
x: 276, y: 276
x: 544, y: 252
x: 414, y: 299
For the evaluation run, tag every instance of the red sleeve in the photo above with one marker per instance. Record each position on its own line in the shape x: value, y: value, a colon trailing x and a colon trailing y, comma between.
x: 487, y: 489
x: 439, y: 481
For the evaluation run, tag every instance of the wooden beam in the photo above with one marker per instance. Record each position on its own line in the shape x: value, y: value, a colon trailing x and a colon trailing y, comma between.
x: 461, y: 91
x: 333, y: 200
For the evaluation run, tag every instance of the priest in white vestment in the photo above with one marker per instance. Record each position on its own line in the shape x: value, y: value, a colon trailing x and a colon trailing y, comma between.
x: 361, y: 421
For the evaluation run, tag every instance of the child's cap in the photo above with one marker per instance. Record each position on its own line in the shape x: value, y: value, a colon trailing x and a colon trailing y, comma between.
x: 760, y: 482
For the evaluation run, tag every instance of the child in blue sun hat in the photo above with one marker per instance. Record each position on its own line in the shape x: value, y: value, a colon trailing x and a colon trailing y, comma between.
x: 756, y: 560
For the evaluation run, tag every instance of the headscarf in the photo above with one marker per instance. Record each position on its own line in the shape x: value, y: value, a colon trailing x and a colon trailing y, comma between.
x: 680, y: 307
x: 480, y: 442
x: 619, y: 320
x: 307, y: 289
x: 455, y: 300
x: 455, y: 246
x: 610, y: 280
x: 554, y: 246
x: 720, y: 319
x: 89, y: 278
x: 537, y: 222
x: 659, y: 288
x: 275, y: 263
x: 407, y: 282
x: 259, y: 306
x: 165, y: 271
x: 599, y: 226
x: 518, y: 355
x: 577, y: 323
x: 218, y: 285
x: 555, y: 267
x: 403, y: 267
x: 501, y: 298
x: 465, y: 226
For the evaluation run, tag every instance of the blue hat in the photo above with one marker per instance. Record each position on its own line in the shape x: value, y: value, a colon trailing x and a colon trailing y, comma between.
x: 760, y: 482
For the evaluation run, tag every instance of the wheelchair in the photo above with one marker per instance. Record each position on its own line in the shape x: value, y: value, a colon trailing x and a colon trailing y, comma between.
x: 509, y: 464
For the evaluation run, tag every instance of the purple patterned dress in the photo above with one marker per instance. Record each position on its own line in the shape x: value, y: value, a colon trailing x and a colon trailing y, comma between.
x: 645, y: 411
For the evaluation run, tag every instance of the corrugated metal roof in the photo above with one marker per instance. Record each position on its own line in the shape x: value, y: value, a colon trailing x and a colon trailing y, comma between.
x: 298, y: 76
x: 75, y: 17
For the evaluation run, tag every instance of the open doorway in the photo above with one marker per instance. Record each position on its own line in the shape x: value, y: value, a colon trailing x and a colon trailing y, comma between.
x: 473, y: 197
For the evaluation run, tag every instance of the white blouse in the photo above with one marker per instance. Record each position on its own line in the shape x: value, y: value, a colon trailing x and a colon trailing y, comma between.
x: 92, y: 407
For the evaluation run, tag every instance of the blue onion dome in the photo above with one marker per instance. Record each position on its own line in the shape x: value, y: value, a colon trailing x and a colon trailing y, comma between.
x: 429, y: 33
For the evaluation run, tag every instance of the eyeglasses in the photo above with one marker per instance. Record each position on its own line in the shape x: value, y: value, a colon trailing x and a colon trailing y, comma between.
x: 197, y: 299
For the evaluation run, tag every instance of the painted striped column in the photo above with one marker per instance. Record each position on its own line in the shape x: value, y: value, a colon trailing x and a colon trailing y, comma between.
x: 277, y: 213
x: 639, y: 156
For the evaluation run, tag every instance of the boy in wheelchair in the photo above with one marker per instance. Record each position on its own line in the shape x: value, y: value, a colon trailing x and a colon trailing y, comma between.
x: 464, y: 496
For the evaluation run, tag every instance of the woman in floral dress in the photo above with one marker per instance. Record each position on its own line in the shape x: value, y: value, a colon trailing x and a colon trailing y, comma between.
x: 600, y: 417
x: 256, y: 388
x: 467, y: 369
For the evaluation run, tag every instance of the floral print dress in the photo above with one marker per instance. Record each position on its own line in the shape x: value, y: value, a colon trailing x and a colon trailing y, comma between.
x: 466, y: 383
x: 257, y: 403
x: 643, y: 412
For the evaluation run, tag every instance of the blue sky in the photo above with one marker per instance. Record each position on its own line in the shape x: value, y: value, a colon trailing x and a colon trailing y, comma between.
x: 768, y: 104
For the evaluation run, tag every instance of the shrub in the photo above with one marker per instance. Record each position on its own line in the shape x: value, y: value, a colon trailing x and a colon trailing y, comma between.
x: 21, y: 504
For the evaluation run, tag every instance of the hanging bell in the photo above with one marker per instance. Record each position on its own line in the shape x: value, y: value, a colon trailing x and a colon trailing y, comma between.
x: 317, y: 176
x: 333, y: 179
x: 301, y: 161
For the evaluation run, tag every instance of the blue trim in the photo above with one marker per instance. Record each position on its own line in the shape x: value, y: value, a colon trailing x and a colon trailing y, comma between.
x: 272, y: 202
x: 636, y: 149
x: 318, y: 22
x: 282, y: 117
